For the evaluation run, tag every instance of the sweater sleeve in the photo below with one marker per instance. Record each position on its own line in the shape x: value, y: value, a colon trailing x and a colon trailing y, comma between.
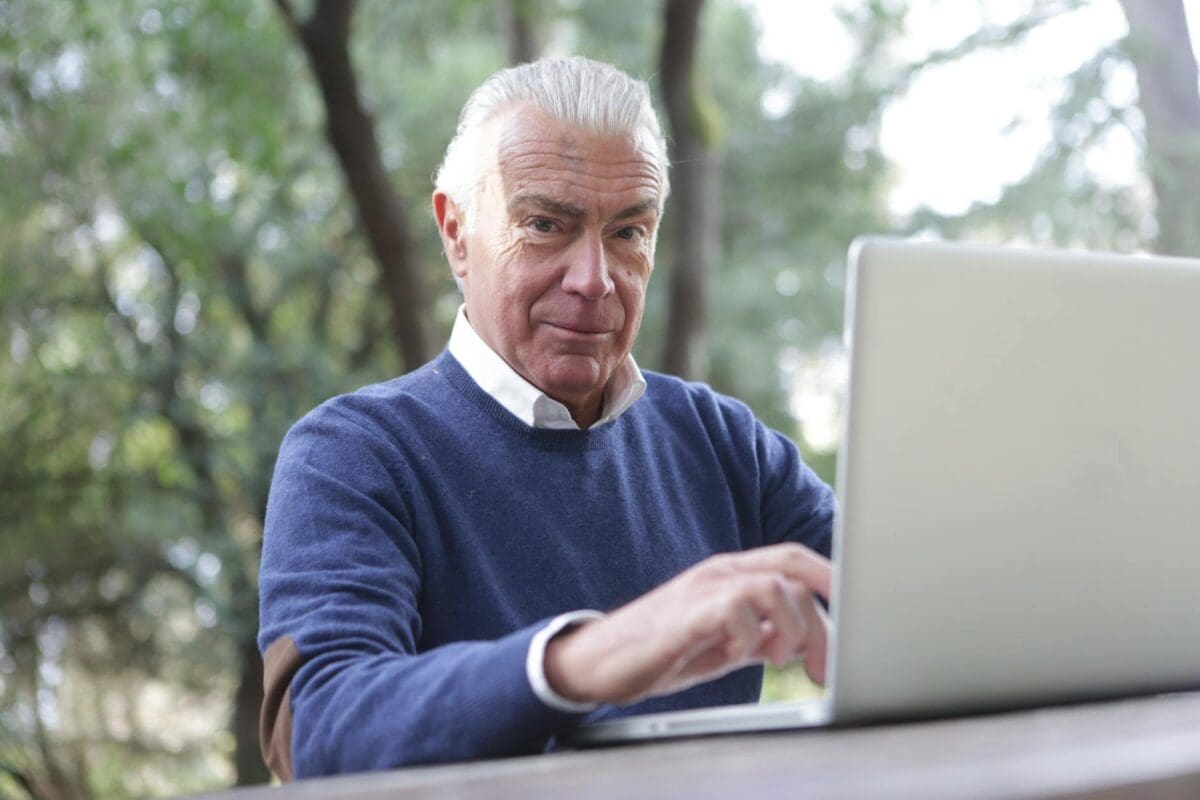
x: 340, y: 581
x: 796, y: 505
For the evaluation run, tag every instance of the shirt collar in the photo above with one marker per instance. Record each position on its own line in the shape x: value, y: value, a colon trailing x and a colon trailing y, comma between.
x: 524, y: 400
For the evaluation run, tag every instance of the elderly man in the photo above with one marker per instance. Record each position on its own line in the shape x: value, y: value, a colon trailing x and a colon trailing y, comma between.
x: 529, y: 531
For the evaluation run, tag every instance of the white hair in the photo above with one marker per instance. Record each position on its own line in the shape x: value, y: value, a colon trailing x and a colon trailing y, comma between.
x: 589, y: 95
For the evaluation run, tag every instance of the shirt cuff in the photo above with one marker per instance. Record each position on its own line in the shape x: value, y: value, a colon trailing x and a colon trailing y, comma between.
x: 535, y: 661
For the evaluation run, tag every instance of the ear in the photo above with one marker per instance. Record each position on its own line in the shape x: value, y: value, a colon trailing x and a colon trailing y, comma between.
x: 452, y: 228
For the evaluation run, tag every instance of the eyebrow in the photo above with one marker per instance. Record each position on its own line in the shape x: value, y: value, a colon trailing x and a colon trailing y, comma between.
x: 546, y: 203
x: 567, y: 210
x: 636, y: 210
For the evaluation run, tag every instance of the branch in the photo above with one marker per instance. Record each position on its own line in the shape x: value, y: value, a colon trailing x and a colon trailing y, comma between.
x: 350, y: 130
x: 680, y: 30
x: 332, y: 16
x: 320, y: 314
x: 991, y: 36
x: 289, y: 16
x: 517, y: 22
x: 372, y: 332
x: 233, y: 265
x: 696, y: 189
x: 19, y: 777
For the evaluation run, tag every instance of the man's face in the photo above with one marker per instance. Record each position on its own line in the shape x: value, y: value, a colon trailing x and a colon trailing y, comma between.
x: 555, y: 264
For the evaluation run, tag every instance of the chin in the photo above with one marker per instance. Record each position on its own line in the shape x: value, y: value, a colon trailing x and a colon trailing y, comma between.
x: 575, y: 383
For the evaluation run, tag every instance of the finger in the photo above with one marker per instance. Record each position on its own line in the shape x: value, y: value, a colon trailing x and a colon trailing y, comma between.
x: 631, y: 653
x: 779, y: 602
x: 794, y: 560
x: 771, y: 649
x: 743, y: 630
x: 769, y: 637
x: 816, y: 650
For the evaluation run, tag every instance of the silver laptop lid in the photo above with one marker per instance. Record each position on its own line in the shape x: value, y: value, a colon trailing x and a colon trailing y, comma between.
x: 1019, y: 479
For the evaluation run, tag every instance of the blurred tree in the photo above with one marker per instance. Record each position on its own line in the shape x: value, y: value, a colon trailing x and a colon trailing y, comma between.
x: 695, y: 208
x: 171, y: 306
x: 1169, y: 98
x: 519, y: 26
x: 801, y: 176
x: 1062, y: 200
x: 325, y: 36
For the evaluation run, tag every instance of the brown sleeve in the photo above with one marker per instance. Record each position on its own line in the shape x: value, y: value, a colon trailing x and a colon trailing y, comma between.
x: 280, y: 663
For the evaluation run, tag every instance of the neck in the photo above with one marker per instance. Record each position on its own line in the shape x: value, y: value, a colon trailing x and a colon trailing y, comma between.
x: 586, y: 414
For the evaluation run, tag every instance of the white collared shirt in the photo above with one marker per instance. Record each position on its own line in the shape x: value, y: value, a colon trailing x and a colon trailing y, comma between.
x: 538, y: 410
x: 527, y: 402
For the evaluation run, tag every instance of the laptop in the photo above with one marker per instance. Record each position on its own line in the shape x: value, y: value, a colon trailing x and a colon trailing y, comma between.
x: 1019, y: 490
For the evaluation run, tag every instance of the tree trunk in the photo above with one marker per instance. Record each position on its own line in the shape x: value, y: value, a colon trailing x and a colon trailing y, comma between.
x: 248, y: 762
x: 247, y: 757
x: 518, y: 14
x: 1161, y: 52
x: 350, y: 128
x: 197, y: 447
x: 694, y: 213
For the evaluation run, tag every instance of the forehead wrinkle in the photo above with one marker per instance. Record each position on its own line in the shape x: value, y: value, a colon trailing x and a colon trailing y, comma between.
x: 560, y: 168
x: 522, y: 126
x: 542, y: 160
x: 567, y: 191
x: 518, y: 176
x: 515, y: 149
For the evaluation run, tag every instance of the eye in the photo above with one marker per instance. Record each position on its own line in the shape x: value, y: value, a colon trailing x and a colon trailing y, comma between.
x: 629, y: 233
x: 542, y: 225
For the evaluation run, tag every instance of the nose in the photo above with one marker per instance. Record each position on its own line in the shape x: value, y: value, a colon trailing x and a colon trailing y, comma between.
x: 586, y: 271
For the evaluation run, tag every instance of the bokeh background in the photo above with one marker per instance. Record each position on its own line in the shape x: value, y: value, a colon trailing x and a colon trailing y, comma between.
x: 215, y: 214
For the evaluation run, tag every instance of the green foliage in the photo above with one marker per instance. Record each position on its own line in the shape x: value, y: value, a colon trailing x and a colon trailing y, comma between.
x: 1060, y: 202
x: 797, y: 187
x: 182, y: 282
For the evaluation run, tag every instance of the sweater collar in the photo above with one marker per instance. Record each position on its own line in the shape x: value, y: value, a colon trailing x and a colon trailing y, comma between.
x: 524, y: 400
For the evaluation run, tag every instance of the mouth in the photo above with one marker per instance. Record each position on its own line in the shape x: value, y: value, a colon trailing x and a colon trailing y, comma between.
x: 578, y: 329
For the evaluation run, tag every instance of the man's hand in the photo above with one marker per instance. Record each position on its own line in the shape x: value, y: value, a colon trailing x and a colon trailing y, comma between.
x: 726, y: 612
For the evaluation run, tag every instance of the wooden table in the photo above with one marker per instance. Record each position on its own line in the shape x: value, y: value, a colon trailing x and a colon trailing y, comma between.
x: 1142, y: 748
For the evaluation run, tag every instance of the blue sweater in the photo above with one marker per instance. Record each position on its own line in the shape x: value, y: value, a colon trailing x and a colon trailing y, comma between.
x: 418, y: 535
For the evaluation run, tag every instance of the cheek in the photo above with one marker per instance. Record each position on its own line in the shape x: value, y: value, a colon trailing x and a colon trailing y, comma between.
x: 504, y: 247
x: 518, y: 278
x: 636, y: 274
x: 632, y: 291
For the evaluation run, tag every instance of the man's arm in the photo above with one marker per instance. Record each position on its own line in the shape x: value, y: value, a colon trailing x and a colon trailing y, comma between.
x: 340, y: 580
x: 725, y: 613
